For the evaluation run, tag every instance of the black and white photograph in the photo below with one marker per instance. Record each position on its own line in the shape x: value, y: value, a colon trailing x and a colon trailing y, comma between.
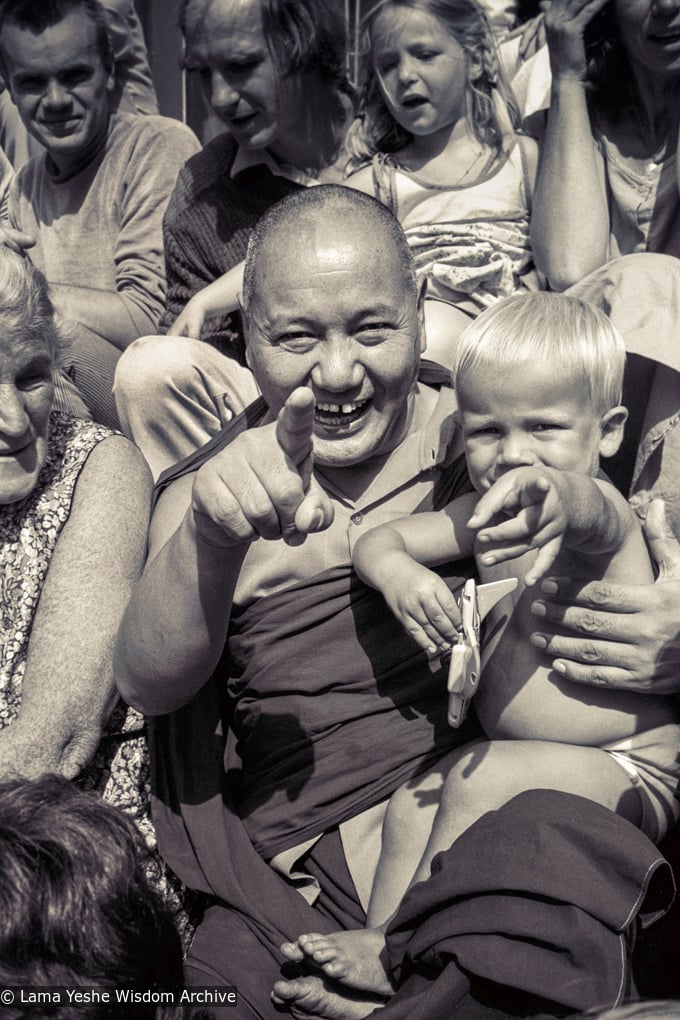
x: 339, y: 509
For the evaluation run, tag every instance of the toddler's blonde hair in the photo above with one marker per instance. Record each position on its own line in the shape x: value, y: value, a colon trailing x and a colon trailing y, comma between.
x: 574, y: 337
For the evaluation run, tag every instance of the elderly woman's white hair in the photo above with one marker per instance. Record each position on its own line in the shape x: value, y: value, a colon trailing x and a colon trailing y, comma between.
x: 571, y: 335
x: 26, y: 310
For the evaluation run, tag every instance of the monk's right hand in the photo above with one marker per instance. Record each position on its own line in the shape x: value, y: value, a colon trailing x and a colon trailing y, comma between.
x: 261, y: 485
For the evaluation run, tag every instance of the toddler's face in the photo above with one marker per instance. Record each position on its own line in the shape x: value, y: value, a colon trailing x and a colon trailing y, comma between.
x: 527, y: 415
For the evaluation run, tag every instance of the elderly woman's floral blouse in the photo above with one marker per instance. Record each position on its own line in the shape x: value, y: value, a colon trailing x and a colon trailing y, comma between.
x: 29, y: 531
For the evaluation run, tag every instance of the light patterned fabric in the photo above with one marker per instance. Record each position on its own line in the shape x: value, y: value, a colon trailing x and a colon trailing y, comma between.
x: 644, y: 203
x: 29, y: 532
x: 472, y: 241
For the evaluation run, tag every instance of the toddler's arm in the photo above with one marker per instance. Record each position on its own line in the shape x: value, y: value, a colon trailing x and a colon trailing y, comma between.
x: 547, y: 509
x: 218, y: 298
x: 394, y: 559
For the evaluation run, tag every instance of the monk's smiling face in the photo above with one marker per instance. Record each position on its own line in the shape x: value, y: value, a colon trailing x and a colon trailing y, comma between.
x: 334, y: 309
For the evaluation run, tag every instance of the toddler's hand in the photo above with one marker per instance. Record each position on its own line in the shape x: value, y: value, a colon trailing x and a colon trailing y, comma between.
x: 532, y: 499
x: 425, y: 607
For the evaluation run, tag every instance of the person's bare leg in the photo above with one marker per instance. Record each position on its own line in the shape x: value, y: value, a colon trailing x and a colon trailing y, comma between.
x: 358, y: 958
x: 486, y: 776
x: 406, y: 830
x: 444, y: 324
x: 492, y: 773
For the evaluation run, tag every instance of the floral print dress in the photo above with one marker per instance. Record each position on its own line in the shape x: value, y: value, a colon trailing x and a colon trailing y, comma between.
x: 29, y: 531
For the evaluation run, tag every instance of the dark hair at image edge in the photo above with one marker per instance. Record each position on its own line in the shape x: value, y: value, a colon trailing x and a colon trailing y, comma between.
x: 75, y: 904
x: 610, y: 82
x: 38, y: 15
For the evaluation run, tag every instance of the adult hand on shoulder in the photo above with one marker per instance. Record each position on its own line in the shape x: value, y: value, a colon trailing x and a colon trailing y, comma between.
x: 17, y: 240
x: 623, y: 636
x: 565, y: 25
x: 261, y: 485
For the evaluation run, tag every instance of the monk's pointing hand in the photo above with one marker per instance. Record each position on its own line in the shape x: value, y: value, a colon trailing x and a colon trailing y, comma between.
x: 295, y: 434
x: 261, y: 485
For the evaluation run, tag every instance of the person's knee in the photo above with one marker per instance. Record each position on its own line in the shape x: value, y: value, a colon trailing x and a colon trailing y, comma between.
x: 405, y: 804
x: 647, y: 262
x: 484, y: 767
x: 398, y: 821
x: 153, y: 379
x: 150, y: 365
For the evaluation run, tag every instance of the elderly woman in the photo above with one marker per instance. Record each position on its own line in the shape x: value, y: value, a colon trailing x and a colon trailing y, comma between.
x: 74, y: 507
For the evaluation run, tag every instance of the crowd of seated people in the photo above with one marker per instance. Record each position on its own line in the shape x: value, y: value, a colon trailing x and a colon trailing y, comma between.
x: 288, y: 325
x: 89, y: 206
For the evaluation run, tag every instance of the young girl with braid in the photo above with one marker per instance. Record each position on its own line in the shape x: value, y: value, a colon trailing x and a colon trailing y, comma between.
x: 437, y: 132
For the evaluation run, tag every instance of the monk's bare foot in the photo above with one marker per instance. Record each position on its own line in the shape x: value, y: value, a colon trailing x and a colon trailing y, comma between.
x: 313, y: 996
x: 357, y: 959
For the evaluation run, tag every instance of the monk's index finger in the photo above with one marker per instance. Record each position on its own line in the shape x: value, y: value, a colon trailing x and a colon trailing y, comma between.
x: 295, y: 425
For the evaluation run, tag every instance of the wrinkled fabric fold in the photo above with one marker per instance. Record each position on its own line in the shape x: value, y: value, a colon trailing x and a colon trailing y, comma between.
x: 538, y: 897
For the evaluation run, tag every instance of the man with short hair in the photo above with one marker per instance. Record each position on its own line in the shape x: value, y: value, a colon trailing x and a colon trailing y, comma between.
x: 134, y: 89
x: 90, y: 209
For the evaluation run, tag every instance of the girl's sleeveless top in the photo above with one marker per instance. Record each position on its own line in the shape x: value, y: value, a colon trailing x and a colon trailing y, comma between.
x: 471, y: 242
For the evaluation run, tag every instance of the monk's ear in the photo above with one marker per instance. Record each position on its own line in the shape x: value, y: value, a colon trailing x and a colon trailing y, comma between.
x: 611, y: 430
x: 244, y: 322
x: 421, y: 315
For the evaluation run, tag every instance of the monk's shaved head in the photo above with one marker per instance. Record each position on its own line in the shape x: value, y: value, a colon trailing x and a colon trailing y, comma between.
x: 333, y: 215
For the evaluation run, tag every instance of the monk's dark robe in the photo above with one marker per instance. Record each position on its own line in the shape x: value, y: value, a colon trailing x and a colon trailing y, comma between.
x: 334, y: 707
x: 533, y: 910
x: 320, y: 708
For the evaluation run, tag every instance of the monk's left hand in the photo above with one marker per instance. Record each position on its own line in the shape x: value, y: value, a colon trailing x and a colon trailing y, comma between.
x: 622, y: 636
